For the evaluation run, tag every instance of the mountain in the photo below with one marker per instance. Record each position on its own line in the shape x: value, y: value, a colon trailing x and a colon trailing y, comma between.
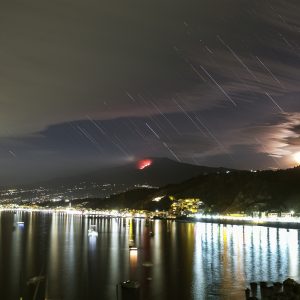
x: 150, y: 171
x: 104, y: 182
x: 227, y: 192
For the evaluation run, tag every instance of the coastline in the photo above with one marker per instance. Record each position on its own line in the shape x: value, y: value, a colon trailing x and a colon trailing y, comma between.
x: 285, y: 223
x: 276, y: 224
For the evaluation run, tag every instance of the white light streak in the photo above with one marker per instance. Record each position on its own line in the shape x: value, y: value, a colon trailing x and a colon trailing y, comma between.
x: 152, y: 130
x: 220, y: 88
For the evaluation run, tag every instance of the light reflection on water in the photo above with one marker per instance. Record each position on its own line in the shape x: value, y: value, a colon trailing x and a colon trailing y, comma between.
x: 190, y: 261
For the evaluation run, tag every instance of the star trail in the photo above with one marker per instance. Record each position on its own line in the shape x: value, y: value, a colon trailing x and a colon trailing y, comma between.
x: 85, y: 84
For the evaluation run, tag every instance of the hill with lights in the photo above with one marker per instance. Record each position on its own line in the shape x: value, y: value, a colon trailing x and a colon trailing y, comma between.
x: 221, y: 192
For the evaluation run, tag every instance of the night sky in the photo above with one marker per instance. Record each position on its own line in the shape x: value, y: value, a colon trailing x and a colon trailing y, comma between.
x: 86, y: 83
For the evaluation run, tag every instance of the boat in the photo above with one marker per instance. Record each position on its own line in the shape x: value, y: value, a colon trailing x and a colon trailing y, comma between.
x: 35, y: 279
x: 92, y: 231
x: 35, y: 288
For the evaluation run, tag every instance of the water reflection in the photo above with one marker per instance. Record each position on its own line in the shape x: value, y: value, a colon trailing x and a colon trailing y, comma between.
x: 181, y: 260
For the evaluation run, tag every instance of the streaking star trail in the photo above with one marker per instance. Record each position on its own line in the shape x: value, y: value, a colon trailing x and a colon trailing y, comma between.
x: 87, y: 84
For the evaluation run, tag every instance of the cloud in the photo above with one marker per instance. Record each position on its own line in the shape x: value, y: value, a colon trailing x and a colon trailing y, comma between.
x: 211, y: 78
x: 61, y: 61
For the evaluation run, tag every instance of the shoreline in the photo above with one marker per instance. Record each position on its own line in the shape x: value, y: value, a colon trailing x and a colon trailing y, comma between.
x: 222, y: 220
x: 275, y: 224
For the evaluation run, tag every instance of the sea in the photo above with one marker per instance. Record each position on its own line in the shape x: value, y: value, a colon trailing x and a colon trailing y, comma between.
x: 52, y: 256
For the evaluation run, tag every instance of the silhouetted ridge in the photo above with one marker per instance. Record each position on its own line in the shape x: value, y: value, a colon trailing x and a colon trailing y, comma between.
x: 162, y: 171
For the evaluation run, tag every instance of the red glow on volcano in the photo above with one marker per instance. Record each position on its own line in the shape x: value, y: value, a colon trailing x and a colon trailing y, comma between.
x: 144, y: 163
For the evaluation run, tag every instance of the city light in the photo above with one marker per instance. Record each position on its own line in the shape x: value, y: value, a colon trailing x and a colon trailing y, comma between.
x: 157, y: 199
x: 267, y: 219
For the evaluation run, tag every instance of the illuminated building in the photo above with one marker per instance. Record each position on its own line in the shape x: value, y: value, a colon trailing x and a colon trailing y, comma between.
x: 186, y: 206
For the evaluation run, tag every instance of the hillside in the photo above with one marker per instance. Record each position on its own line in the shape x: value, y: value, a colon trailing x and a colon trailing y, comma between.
x: 243, y: 190
x: 223, y: 192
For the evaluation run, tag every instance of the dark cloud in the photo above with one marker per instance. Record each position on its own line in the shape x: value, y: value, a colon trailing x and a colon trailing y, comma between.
x: 85, y: 82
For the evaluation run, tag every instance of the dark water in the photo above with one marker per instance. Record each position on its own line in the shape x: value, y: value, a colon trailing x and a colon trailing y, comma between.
x: 190, y: 261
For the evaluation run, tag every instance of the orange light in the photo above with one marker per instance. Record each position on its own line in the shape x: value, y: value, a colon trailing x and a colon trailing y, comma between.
x: 144, y: 163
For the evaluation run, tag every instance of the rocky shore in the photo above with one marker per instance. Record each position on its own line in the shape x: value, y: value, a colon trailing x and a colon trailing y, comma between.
x: 286, y: 290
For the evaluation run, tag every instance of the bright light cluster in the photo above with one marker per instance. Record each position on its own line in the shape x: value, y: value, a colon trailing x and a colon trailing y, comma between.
x: 257, y: 220
x: 288, y: 217
x: 144, y: 163
x: 297, y: 157
x: 72, y: 211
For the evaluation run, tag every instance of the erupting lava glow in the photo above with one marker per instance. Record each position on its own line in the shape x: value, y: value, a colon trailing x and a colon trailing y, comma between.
x: 144, y: 163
